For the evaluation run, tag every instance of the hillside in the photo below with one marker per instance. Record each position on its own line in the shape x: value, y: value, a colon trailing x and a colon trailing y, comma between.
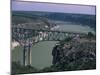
x: 82, y: 19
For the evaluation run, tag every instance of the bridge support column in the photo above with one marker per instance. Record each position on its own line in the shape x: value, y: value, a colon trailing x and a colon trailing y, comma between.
x: 29, y: 56
x: 24, y: 56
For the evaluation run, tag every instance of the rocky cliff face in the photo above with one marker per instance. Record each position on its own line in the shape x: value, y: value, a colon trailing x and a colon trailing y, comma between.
x: 75, y: 55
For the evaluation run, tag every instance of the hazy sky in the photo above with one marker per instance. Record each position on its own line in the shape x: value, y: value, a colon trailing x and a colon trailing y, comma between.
x: 66, y: 8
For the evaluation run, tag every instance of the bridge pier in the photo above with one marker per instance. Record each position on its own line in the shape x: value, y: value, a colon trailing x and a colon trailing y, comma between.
x: 24, y: 55
x: 29, y: 55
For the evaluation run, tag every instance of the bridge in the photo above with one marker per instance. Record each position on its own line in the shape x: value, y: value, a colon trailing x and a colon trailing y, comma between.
x: 28, y: 36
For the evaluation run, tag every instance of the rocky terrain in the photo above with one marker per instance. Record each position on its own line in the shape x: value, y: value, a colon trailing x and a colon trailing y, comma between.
x: 75, y: 55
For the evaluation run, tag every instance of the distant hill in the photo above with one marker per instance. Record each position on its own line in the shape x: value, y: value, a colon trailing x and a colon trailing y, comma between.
x: 82, y: 19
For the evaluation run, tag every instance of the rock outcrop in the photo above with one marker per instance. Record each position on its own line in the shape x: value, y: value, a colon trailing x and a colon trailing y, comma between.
x: 75, y: 55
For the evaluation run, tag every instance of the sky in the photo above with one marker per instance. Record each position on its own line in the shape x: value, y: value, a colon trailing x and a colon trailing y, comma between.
x: 51, y: 7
